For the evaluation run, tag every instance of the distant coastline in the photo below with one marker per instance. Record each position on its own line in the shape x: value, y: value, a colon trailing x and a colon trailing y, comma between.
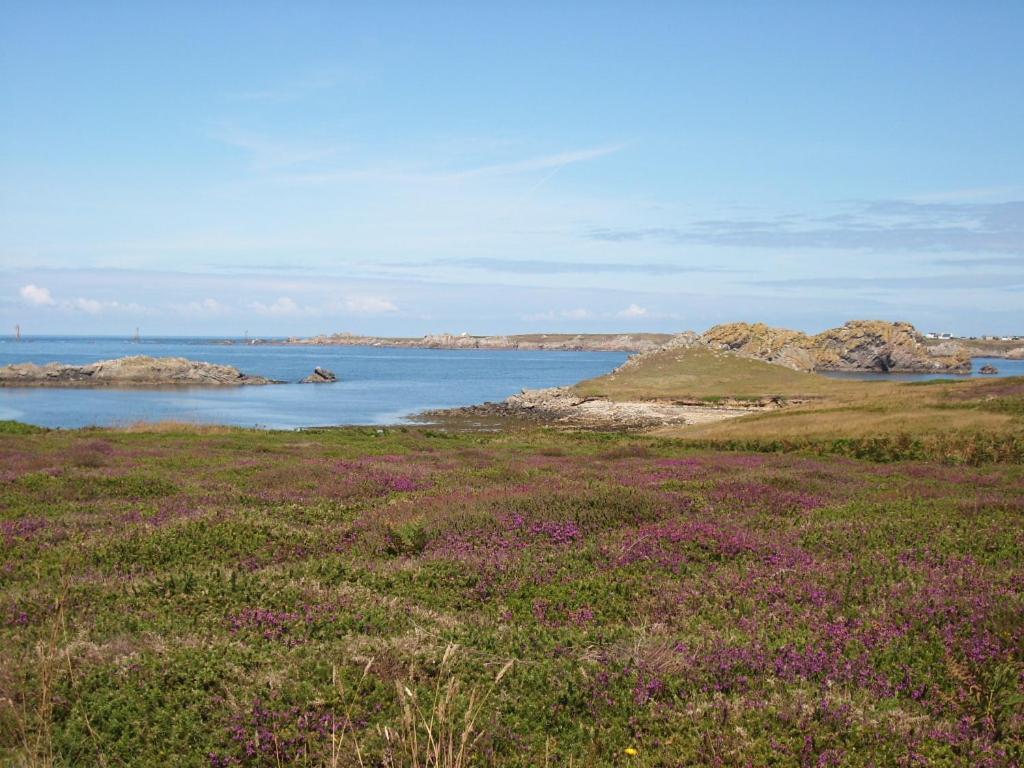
x: 566, y: 342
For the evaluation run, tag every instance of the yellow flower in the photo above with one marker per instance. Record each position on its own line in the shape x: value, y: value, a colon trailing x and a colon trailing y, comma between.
x: 631, y: 751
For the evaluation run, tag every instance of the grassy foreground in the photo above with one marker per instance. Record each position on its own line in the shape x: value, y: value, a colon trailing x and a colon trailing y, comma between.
x: 226, y: 597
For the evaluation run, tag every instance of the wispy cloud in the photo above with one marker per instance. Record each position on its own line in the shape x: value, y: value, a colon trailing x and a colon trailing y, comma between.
x: 877, y: 226
x: 982, y: 261
x: 540, y: 163
x: 299, y: 88
x: 949, y: 282
x: 556, y: 267
x: 268, y: 153
x: 368, y: 305
x: 632, y: 311
x: 578, y: 313
x: 396, y: 172
x: 37, y: 296
x: 285, y: 306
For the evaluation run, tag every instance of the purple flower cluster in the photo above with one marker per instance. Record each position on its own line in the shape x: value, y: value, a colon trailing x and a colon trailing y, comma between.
x: 289, y: 736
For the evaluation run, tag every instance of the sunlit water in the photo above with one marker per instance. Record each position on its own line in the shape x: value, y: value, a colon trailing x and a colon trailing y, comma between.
x: 376, y: 385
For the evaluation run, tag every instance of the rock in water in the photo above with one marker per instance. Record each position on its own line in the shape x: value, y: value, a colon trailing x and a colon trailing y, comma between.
x: 988, y: 370
x: 135, y: 371
x: 320, y: 376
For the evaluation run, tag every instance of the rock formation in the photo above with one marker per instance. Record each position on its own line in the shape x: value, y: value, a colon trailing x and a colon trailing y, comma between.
x: 859, y: 345
x: 988, y: 370
x: 320, y: 376
x: 135, y: 371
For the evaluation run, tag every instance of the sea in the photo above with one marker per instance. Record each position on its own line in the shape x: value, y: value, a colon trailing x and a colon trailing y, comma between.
x: 376, y: 385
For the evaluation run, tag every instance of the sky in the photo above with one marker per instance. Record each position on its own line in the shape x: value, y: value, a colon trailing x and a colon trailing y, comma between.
x: 291, y: 168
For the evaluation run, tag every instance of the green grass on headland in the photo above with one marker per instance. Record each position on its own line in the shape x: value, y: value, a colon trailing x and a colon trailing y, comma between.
x: 699, y: 373
x: 956, y: 420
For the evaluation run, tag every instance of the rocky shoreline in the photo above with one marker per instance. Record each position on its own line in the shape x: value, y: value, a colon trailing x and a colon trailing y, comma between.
x: 561, y: 406
x: 135, y: 371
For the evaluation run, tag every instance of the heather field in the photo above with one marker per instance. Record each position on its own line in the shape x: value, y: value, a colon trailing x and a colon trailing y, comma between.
x: 360, y: 597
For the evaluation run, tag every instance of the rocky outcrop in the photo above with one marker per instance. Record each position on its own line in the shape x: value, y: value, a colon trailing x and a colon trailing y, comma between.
x: 320, y: 376
x: 792, y: 349
x: 135, y: 371
x: 988, y: 370
x: 859, y: 345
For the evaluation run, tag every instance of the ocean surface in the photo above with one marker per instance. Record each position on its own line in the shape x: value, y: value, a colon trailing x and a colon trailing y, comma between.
x: 376, y: 385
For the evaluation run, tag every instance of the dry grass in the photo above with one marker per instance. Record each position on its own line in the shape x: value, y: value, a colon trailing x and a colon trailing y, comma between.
x: 445, y: 732
x: 826, y: 423
x: 171, y: 426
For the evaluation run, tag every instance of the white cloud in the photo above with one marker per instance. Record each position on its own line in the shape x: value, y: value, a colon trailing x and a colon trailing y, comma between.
x: 564, y: 314
x: 283, y: 306
x: 633, y: 310
x: 368, y: 305
x: 576, y: 314
x: 91, y: 306
x: 95, y: 307
x: 205, y: 307
x: 37, y: 295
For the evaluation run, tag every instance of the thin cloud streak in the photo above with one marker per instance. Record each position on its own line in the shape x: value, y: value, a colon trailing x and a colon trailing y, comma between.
x: 873, y: 226
x: 544, y: 267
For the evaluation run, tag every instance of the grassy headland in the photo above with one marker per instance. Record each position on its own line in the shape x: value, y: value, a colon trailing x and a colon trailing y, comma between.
x: 955, y: 420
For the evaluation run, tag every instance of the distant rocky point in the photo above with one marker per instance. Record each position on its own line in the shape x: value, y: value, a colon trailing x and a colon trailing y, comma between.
x: 859, y: 345
x: 135, y: 371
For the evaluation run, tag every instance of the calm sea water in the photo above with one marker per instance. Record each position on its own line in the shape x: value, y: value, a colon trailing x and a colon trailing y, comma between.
x: 376, y: 386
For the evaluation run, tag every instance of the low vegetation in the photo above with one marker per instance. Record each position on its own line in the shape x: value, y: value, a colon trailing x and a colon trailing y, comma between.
x: 956, y: 421
x: 367, y: 597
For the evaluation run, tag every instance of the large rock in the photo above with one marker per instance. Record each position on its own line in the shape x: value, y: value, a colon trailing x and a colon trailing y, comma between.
x: 320, y: 376
x: 136, y: 371
x: 792, y: 349
x: 859, y: 345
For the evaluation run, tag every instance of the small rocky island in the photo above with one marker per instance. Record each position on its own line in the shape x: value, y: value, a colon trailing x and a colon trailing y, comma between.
x: 135, y: 371
x: 321, y: 376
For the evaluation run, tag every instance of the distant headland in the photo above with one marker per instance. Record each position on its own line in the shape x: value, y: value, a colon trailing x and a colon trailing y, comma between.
x: 858, y: 345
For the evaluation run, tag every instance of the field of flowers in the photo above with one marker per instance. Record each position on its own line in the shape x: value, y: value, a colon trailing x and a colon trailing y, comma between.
x: 355, y: 597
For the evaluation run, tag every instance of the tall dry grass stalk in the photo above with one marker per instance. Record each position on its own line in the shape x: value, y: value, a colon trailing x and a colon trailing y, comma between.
x: 441, y: 733
x: 28, y: 719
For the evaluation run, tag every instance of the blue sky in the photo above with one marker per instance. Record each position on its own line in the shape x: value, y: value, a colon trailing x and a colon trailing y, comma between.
x: 293, y: 168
